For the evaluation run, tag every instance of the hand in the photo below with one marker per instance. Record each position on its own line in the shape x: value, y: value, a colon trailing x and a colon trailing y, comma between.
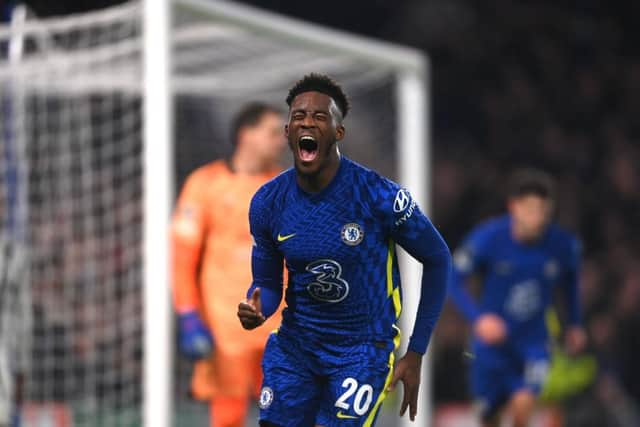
x: 575, y: 340
x: 490, y: 328
x: 195, y: 341
x: 408, y: 370
x: 250, y: 311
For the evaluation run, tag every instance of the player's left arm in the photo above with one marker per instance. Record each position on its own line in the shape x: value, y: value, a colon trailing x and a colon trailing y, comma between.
x: 575, y: 337
x: 413, y: 231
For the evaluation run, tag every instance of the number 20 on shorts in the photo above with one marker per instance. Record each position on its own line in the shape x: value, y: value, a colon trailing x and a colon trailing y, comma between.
x: 362, y: 399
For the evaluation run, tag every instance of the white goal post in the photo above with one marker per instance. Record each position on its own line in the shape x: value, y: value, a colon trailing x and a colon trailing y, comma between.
x: 158, y: 198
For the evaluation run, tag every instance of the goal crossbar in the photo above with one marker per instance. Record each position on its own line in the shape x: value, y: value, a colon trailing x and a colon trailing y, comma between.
x: 323, y: 38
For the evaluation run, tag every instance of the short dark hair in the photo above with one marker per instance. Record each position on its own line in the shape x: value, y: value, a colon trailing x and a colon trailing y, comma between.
x: 250, y: 115
x: 322, y: 83
x: 527, y: 182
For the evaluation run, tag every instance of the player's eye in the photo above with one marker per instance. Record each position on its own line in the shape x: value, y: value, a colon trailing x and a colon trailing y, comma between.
x: 321, y: 117
x: 298, y: 116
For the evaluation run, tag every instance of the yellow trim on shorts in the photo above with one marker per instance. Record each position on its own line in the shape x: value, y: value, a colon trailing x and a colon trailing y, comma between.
x: 383, y: 394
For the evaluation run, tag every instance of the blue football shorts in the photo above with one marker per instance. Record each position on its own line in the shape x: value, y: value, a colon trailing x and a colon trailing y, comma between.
x: 308, y: 383
x: 494, y: 382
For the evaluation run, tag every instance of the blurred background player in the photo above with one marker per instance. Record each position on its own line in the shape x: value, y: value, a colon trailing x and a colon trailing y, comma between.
x: 211, y: 265
x: 15, y: 329
x: 521, y: 258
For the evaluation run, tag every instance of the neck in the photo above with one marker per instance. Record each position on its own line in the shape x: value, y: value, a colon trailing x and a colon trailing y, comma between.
x: 517, y: 233
x: 520, y: 235
x: 314, y: 183
x: 247, y: 163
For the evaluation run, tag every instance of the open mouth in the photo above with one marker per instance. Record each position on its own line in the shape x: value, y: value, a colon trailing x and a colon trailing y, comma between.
x: 307, y: 148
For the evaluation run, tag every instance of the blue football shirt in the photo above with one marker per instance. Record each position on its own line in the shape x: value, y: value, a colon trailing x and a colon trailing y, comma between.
x: 339, y: 249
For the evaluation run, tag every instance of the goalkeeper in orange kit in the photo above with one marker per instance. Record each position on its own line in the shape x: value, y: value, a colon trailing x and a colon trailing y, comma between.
x: 211, y: 265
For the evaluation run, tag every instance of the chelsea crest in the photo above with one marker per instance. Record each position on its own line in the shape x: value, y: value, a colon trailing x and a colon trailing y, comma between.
x: 352, y: 234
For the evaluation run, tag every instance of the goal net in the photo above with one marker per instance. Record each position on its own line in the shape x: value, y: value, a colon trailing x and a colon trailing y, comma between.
x: 73, y: 162
x: 71, y: 120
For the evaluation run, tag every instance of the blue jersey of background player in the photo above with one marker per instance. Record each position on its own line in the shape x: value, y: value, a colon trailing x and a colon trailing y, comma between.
x: 335, y: 224
x: 521, y: 258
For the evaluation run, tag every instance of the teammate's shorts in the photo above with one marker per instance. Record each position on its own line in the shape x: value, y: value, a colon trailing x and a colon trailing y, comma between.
x: 313, y: 383
x: 495, y: 381
x: 228, y: 374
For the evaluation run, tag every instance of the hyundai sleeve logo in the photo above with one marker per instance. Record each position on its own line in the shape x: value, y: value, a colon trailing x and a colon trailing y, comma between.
x: 402, y: 200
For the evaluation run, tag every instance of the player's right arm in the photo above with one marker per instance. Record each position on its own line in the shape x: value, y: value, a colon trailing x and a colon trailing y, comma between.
x: 468, y: 259
x: 265, y: 293
x: 188, y: 232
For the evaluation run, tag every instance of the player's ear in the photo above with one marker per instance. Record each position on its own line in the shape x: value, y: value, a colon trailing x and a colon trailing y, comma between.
x: 340, y: 131
x: 286, y: 130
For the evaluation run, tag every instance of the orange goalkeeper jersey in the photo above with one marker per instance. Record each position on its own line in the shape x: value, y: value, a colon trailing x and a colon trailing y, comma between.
x: 212, y: 253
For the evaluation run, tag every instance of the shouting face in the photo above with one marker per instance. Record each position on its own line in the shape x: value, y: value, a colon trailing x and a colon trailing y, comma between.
x: 315, y: 124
